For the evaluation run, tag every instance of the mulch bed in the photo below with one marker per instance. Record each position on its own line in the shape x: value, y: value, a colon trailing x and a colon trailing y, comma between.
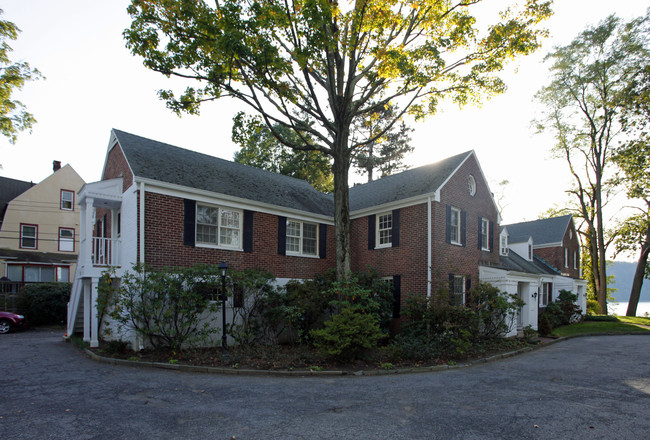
x: 289, y: 358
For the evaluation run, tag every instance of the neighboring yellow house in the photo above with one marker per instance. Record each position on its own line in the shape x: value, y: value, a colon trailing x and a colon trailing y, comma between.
x: 40, y: 228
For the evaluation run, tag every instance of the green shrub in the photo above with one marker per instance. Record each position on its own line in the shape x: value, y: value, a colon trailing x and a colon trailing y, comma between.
x: 165, y: 306
x: 45, y: 303
x: 602, y: 318
x: 348, y: 334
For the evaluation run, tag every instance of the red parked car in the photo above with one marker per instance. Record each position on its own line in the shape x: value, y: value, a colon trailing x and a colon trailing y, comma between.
x: 9, y: 321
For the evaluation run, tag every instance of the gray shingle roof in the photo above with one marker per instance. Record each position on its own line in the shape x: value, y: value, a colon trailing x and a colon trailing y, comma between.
x: 516, y: 263
x: 163, y: 162
x: 9, y: 190
x: 411, y: 183
x: 544, y: 231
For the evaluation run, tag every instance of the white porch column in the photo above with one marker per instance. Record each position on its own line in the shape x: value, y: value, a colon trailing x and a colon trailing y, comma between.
x: 85, y: 287
x: 94, y: 321
x: 87, y: 234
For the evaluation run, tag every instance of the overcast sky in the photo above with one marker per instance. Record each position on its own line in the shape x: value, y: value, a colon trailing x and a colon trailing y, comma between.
x: 94, y: 84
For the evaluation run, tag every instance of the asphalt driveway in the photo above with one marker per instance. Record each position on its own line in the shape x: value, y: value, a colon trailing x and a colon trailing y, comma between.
x: 583, y: 388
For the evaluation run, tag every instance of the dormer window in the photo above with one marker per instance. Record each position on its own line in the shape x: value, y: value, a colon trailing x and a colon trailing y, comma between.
x: 504, y: 244
x: 530, y: 251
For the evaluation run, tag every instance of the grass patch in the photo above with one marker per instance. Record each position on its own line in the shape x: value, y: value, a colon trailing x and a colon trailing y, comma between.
x: 603, y: 327
x: 634, y: 320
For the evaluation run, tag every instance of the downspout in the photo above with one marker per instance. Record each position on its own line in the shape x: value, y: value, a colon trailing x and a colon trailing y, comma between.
x: 141, y: 219
x: 429, y: 239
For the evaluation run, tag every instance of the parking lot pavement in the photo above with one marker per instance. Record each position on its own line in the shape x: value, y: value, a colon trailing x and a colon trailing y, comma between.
x: 582, y: 388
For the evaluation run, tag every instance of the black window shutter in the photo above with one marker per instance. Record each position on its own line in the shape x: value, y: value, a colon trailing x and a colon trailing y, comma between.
x: 468, y: 287
x: 480, y: 232
x: 491, y: 237
x: 463, y: 234
x: 248, y: 231
x: 189, y: 222
x: 282, y: 235
x: 371, y: 231
x: 397, y: 295
x: 448, y: 229
x: 395, y: 232
x: 322, y: 240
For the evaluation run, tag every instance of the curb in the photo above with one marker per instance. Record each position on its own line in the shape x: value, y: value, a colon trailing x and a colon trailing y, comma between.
x: 308, y: 373
x: 301, y: 373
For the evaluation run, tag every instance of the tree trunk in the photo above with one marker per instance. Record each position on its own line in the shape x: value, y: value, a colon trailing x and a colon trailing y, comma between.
x: 639, y: 275
x: 341, y: 170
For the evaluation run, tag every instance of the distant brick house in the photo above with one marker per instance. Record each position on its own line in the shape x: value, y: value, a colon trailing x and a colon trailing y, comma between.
x: 426, y: 228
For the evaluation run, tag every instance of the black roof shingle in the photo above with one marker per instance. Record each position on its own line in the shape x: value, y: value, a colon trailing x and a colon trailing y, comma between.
x: 544, y: 231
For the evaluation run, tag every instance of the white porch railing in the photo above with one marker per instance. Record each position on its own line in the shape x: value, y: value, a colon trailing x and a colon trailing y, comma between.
x: 106, y: 251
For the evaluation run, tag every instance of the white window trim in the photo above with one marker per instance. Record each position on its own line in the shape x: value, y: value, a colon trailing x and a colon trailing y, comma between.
x: 458, y: 240
x: 301, y: 239
x: 463, y: 285
x: 378, y: 231
x: 575, y: 259
x: 218, y: 245
x: 23, y: 236
x: 67, y: 240
x: 67, y: 191
x: 503, y: 242
x: 485, y: 237
x: 566, y: 257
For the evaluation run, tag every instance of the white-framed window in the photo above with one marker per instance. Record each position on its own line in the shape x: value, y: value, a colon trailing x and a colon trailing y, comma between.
x: 530, y: 252
x: 384, y: 230
x: 458, y: 291
x: 67, y: 200
x: 545, y: 294
x: 66, y: 239
x: 454, y: 222
x: 485, y: 234
x: 28, y: 236
x: 504, y: 244
x: 218, y: 226
x: 302, y: 238
x: 471, y: 185
x: 566, y: 257
x: 575, y: 259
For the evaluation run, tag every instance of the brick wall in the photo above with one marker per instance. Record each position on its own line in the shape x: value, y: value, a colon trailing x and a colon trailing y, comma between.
x: 409, y: 259
x: 117, y: 166
x: 164, y: 244
x: 555, y: 255
x: 463, y: 260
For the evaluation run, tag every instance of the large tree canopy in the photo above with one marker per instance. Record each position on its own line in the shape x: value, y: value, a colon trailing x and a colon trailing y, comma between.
x: 583, y: 99
x: 13, y: 75
x: 319, y: 66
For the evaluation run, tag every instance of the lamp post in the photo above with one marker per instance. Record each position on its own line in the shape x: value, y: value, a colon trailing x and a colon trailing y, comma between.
x: 223, y: 268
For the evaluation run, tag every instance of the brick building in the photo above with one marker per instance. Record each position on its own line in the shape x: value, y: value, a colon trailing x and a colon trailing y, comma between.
x: 426, y: 228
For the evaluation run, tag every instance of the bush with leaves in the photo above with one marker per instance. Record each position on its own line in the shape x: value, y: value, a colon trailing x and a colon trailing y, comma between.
x: 165, y: 306
x: 354, y: 326
x: 45, y: 303
x: 496, y: 310
x: 348, y: 334
x: 251, y: 289
x: 562, y: 311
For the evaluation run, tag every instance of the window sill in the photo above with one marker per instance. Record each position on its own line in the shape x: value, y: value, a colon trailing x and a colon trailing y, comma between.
x: 293, y: 254
x: 214, y: 246
x: 384, y: 246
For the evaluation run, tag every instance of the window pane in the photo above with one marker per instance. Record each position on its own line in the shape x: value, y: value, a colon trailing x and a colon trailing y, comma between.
x: 28, y: 236
x: 229, y: 237
x: 207, y: 215
x: 32, y: 273
x: 455, y: 226
x: 230, y: 219
x: 63, y: 274
x: 309, y: 239
x: 206, y: 234
x: 67, y: 198
x: 293, y: 229
x: 66, y: 240
x: 385, y: 229
x: 293, y: 244
x: 15, y: 273
x: 47, y: 274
